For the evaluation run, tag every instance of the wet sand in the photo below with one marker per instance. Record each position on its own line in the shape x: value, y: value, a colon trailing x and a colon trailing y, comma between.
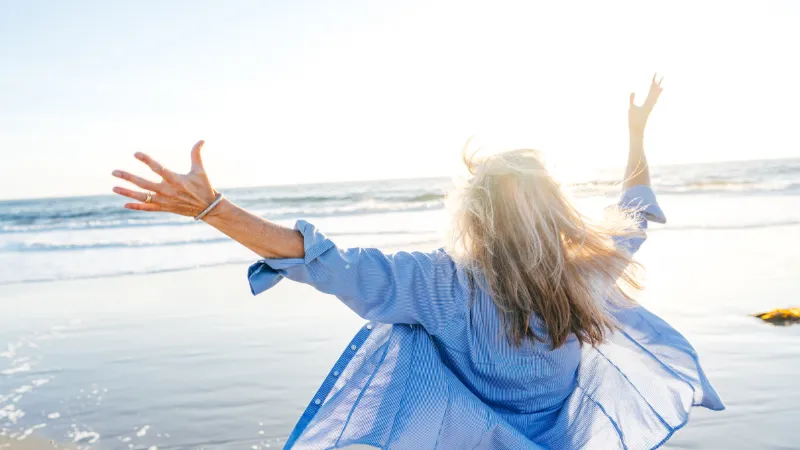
x: 32, y: 443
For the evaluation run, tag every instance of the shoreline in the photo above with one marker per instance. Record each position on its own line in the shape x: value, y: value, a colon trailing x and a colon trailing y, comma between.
x: 389, y: 249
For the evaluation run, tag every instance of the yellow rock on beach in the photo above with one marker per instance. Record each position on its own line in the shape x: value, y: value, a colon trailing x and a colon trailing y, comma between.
x: 781, y: 316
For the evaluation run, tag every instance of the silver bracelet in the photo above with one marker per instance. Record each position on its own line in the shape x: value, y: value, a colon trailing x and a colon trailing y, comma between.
x: 210, y: 207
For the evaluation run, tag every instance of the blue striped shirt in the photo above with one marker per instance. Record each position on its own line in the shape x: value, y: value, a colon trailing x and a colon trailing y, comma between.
x: 432, y: 369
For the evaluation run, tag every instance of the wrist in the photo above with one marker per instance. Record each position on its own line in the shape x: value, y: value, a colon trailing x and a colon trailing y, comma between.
x: 219, y: 211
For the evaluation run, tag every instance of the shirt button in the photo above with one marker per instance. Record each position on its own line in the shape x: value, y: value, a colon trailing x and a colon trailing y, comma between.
x: 336, y: 373
x: 353, y: 347
x: 317, y: 401
x: 369, y: 326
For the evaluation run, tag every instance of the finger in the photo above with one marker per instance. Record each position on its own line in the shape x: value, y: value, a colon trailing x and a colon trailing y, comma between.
x: 654, y: 78
x: 660, y: 80
x: 197, y: 159
x: 143, y: 207
x: 138, y: 181
x: 632, y: 98
x: 156, y: 167
x: 136, y: 195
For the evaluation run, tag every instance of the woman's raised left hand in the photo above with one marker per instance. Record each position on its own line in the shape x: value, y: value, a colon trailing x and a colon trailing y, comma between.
x: 638, y: 115
x: 185, y: 194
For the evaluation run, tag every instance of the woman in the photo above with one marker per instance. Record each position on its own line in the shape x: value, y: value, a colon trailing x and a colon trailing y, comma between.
x: 521, y: 334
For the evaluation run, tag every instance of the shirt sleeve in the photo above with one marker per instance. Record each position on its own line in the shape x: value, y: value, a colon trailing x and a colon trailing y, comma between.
x: 640, y: 201
x: 404, y: 287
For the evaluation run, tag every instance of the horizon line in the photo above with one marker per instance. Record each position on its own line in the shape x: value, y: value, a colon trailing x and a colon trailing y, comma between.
x: 401, y: 178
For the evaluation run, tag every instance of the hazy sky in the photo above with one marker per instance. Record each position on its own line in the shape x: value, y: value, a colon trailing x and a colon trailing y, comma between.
x: 304, y: 91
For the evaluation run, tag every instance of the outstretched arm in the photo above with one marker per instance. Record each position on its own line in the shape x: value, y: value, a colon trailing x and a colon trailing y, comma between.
x: 189, y: 194
x: 414, y: 288
x: 637, y: 171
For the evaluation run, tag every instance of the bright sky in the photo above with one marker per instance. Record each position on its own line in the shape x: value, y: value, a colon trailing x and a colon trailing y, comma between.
x: 306, y: 91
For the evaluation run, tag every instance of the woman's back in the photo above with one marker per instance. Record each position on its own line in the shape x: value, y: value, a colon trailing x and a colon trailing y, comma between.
x: 532, y: 379
x: 526, y: 385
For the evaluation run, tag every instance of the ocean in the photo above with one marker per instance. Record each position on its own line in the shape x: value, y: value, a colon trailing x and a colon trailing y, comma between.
x: 68, y: 238
x: 121, y: 329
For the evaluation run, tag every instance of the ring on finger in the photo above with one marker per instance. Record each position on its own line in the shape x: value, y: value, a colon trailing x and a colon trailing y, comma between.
x: 149, y: 197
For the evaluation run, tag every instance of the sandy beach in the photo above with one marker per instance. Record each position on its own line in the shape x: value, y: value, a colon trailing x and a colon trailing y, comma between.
x: 189, y: 359
x: 32, y: 443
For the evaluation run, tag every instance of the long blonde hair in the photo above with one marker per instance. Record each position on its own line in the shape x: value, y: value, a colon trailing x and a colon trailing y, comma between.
x: 518, y: 234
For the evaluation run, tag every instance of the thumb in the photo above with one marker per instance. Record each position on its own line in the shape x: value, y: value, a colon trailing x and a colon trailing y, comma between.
x: 633, y: 94
x: 197, y: 159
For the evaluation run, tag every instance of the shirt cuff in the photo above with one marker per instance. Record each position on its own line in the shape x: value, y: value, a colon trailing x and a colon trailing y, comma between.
x: 642, y: 199
x: 267, y: 272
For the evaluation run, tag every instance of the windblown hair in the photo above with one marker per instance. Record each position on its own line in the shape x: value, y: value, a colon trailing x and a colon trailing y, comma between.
x: 519, y: 236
